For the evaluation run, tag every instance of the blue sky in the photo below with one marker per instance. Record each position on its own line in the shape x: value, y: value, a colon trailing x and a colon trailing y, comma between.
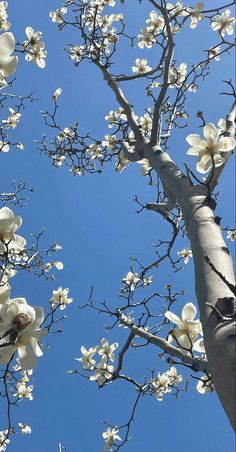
x: 94, y: 219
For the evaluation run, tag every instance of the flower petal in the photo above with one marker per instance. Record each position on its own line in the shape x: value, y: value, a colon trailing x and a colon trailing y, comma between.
x: 173, y: 318
x: 204, y: 164
x: 189, y: 312
x: 210, y: 131
x: 225, y: 144
x: 195, y: 140
x: 7, y: 45
x: 8, y: 65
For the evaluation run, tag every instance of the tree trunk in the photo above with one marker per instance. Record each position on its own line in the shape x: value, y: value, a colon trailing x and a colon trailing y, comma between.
x: 214, y: 281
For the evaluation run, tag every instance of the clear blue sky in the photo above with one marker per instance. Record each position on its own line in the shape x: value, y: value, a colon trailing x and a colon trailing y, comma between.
x: 93, y: 219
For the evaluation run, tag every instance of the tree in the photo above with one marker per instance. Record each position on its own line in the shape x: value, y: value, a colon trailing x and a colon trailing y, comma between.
x: 186, y: 201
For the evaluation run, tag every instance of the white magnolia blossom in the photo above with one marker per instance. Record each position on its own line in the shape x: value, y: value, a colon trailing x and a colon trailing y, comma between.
x: 3, y: 441
x: 4, y: 147
x: 223, y: 23
x: 8, y: 63
x: 60, y: 298
x: 24, y: 428
x: 164, y: 383
x: 114, y: 116
x: 145, y: 121
x: 147, y: 281
x: 187, y: 329
x: 9, y: 223
x: 146, y: 39
x: 12, y: 120
x: 155, y: 23
x: 56, y: 93
x: 87, y: 358
x: 22, y: 321
x: 76, y: 53
x: 177, y: 75
x: 141, y: 66
x: 102, y: 372
x: 196, y: 14
x: 56, y: 16
x: 127, y: 319
x: 178, y: 9
x: 110, y: 436
x: 4, y: 24
x: 106, y: 350
x: 205, y: 385
x: 214, y: 53
x: 34, y: 47
x: 209, y: 150
x: 5, y: 293
x: 231, y: 235
x: 49, y: 265
x: 131, y: 280
x: 185, y: 254
x: 24, y: 391
x: 109, y: 142
x: 95, y: 151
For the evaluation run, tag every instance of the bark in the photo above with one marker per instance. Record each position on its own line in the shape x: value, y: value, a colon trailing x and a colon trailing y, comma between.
x: 214, y: 277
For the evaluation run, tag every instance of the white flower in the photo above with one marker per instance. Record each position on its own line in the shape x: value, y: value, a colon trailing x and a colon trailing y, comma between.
x: 95, y: 151
x: 223, y: 23
x: 8, y: 225
x: 161, y: 385
x: 210, y: 149
x: 24, y: 322
x: 106, y: 350
x: 186, y: 253
x: 37, y: 54
x: 24, y: 391
x: 12, y: 120
x: 110, y: 436
x: 177, y: 75
x: 147, y: 281
x: 60, y: 297
x: 4, y: 24
x: 141, y: 66
x: 214, y: 53
x: 76, y: 53
x: 205, y: 385
x: 8, y: 63
x: 174, y: 378
x: 127, y: 319
x: 57, y: 247
x: 196, y: 15
x: 56, y: 16
x: 3, y: 441
x: 131, y: 279
x: 56, y: 94
x: 146, y: 39
x: 102, y: 373
x: 24, y: 429
x: 109, y: 142
x: 155, y: 23
x: 33, y: 37
x: 177, y: 9
x: 3, y: 146
x: 187, y: 328
x: 87, y: 358
x: 231, y: 235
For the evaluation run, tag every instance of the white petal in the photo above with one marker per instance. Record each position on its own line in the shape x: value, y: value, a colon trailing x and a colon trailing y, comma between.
x: 225, y: 144
x: 195, y: 140
x: 204, y: 164
x: 173, y: 317
x: 8, y: 65
x: 7, y: 45
x: 210, y: 131
x: 189, y: 312
x: 27, y: 358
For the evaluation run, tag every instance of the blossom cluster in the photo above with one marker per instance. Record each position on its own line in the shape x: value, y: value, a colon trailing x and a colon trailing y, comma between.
x: 102, y: 371
x: 164, y: 383
x: 34, y: 47
x: 131, y: 281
